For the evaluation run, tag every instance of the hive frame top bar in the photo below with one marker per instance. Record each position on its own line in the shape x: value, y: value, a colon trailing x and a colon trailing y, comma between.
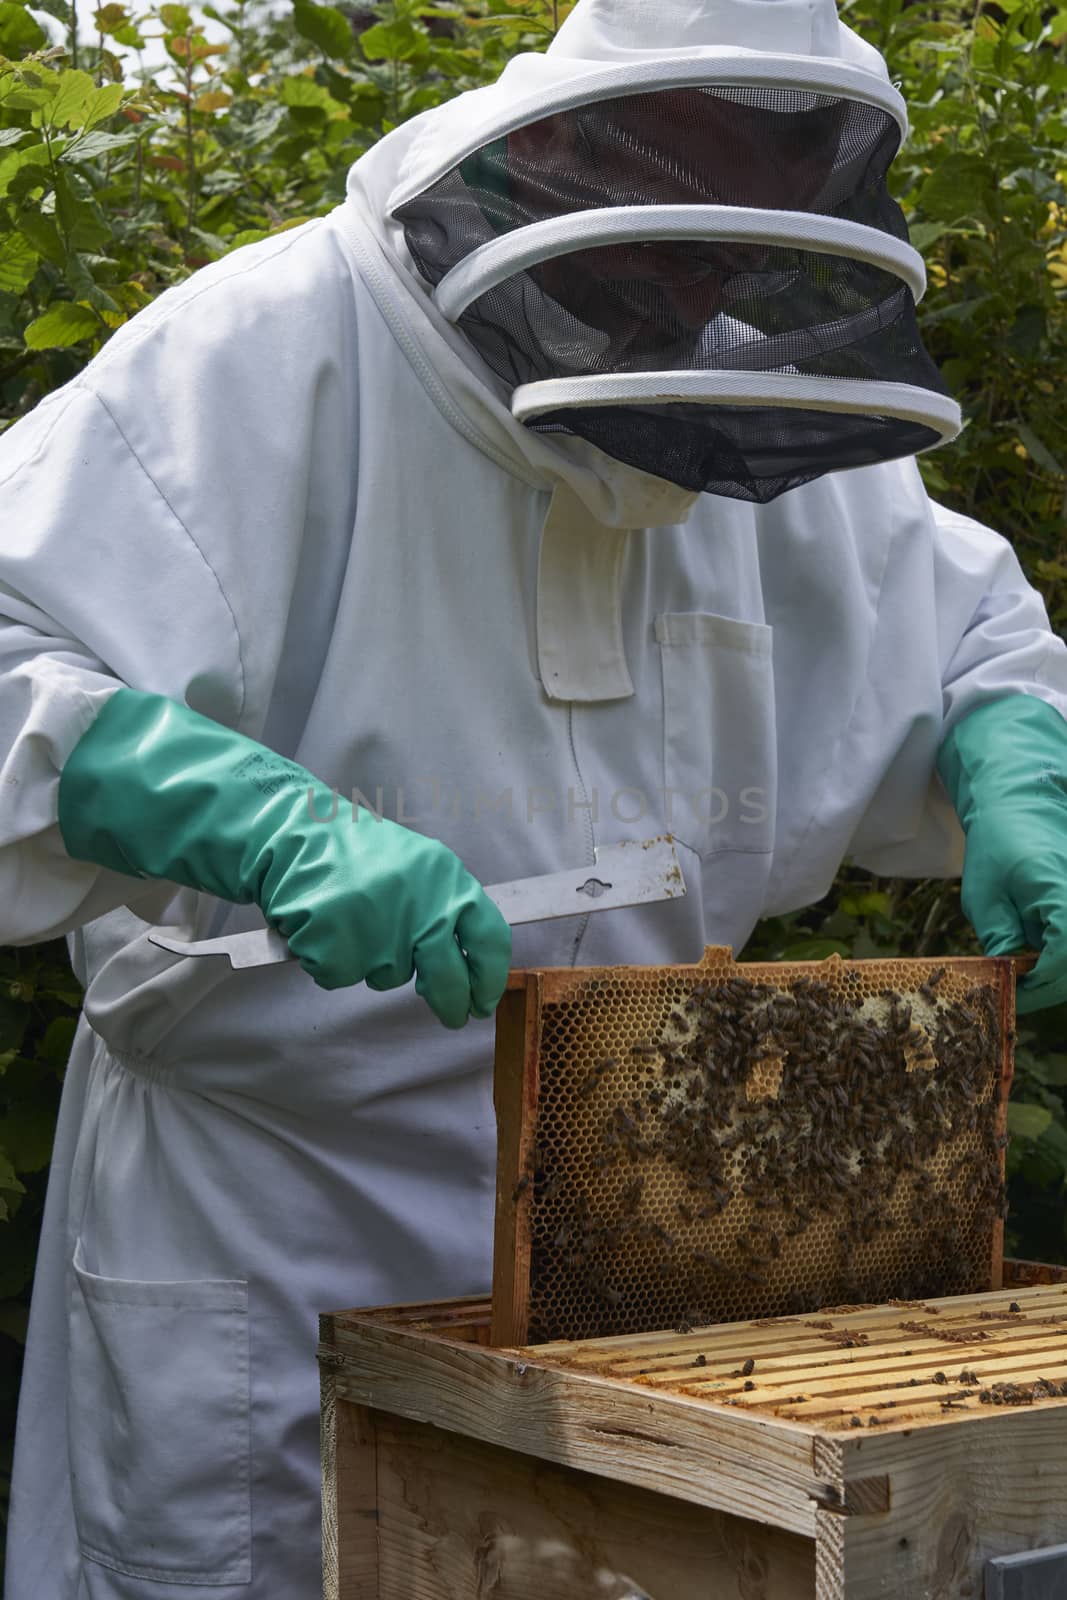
x: 720, y: 958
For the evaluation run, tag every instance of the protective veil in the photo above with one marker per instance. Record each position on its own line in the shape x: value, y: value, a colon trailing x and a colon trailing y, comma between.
x: 506, y: 639
x: 671, y: 235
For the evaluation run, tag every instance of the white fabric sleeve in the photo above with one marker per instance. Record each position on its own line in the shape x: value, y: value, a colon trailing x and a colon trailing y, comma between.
x: 100, y: 586
x: 992, y: 638
x: 995, y: 637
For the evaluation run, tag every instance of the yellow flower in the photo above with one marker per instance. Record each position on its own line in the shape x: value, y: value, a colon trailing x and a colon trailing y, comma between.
x: 936, y: 274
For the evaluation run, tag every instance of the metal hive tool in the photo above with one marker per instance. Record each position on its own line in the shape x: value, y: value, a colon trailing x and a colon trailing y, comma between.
x: 681, y: 1146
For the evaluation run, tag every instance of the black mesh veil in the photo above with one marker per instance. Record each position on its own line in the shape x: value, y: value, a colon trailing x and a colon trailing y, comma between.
x: 704, y: 305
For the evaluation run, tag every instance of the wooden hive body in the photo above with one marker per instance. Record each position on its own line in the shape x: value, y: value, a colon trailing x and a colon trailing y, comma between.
x: 887, y: 1452
x: 685, y: 1145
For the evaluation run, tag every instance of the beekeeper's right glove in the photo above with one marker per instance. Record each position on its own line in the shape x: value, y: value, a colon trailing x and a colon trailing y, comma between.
x: 156, y: 790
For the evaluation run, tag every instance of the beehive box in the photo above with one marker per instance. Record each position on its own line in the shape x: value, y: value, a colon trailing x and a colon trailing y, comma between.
x: 684, y: 1145
x: 888, y: 1453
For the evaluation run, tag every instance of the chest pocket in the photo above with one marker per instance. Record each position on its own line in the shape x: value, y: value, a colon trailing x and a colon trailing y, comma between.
x: 720, y: 767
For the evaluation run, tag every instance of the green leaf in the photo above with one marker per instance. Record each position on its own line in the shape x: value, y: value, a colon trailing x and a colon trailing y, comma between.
x: 1028, y: 331
x: 32, y: 155
x: 1039, y: 451
x: 84, y: 287
x: 28, y: 88
x: 43, y: 234
x: 246, y: 236
x: 1054, y: 1068
x: 176, y: 19
x: 324, y: 26
x: 19, y: 33
x: 104, y: 103
x: 18, y: 263
x: 305, y: 93
x: 64, y: 325
x: 1027, y: 1122
x: 1054, y: 1143
x: 58, y: 1038
x: 29, y: 1132
x: 394, y: 41
x: 924, y: 234
x: 8, y: 1176
x: 76, y: 89
x: 960, y: 186
x: 97, y: 144
x: 82, y: 228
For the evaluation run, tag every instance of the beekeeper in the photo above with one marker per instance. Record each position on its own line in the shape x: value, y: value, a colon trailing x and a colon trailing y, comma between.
x: 558, y: 488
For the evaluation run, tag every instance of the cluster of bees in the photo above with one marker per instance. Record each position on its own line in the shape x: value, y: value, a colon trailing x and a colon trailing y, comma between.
x: 773, y: 1150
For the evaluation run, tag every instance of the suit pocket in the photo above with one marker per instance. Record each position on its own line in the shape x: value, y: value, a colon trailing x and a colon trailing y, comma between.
x: 158, y: 1416
x: 719, y: 735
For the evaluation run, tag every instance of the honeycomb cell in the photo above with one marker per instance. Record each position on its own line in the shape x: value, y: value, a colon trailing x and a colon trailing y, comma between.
x: 740, y: 1141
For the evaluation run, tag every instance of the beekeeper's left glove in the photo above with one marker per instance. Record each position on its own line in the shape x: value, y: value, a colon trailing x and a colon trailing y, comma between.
x: 1005, y: 768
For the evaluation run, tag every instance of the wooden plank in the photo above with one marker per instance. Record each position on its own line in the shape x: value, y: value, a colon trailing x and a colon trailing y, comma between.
x: 349, y: 1498
x: 957, y: 1498
x: 1025, y: 1274
x: 515, y: 1091
x: 819, y: 1367
x: 750, y: 1466
x: 328, y: 1463
x: 469, y: 1320
x: 1007, y: 1070
x: 911, y: 1408
x: 463, y: 1520
x: 563, y: 982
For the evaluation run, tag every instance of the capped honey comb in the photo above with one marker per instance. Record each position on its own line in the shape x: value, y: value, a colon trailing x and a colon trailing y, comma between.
x: 680, y: 1146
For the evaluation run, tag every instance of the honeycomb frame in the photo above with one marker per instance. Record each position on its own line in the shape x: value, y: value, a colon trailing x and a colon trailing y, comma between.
x: 685, y: 1145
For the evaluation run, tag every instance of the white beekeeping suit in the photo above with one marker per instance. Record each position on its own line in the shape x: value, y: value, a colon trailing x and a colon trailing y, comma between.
x: 533, y: 548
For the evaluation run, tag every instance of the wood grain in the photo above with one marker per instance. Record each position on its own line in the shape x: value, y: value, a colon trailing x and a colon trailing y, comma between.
x: 958, y: 1495
x: 453, y: 1471
x: 349, y: 1498
x: 747, y: 1465
x: 515, y: 1091
x: 902, y: 1364
x: 462, y: 1520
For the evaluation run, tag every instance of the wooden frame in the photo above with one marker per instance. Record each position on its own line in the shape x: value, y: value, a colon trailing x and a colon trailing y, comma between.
x: 517, y: 1086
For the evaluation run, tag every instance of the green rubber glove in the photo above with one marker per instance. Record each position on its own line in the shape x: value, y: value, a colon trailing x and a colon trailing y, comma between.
x: 156, y: 790
x: 1005, y: 768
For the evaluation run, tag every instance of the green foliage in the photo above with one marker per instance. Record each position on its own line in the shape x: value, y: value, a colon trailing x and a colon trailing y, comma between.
x: 115, y: 183
x: 39, y: 1002
x: 983, y: 180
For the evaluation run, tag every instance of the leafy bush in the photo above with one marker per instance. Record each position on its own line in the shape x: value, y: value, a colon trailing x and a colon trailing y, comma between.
x: 116, y: 181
